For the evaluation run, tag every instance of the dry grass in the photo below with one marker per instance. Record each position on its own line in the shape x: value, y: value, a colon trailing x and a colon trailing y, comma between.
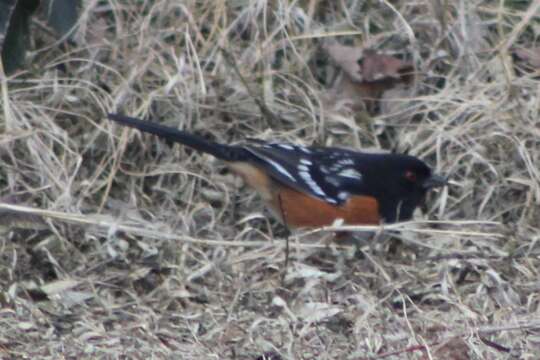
x: 150, y: 251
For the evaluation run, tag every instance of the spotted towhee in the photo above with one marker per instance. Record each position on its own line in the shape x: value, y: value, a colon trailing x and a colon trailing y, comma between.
x: 314, y: 186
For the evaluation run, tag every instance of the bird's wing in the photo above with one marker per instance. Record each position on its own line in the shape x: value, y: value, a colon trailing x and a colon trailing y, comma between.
x: 330, y: 174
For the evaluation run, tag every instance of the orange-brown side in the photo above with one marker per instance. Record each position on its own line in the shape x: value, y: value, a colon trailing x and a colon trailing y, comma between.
x: 297, y: 209
x: 256, y: 178
x: 301, y: 210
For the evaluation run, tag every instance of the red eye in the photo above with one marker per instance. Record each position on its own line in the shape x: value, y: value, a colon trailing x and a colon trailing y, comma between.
x: 410, y: 175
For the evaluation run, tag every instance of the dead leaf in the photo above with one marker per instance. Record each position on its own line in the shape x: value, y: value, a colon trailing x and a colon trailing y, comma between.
x: 531, y: 57
x: 366, y: 65
x: 366, y: 76
x: 454, y: 349
x: 375, y: 67
x: 345, y: 57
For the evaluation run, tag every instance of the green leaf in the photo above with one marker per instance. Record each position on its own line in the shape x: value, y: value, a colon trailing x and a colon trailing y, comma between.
x: 14, y: 31
x: 62, y: 15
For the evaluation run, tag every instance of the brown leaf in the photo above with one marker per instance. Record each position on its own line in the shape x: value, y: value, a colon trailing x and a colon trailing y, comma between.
x: 366, y: 65
x: 366, y: 76
x: 346, y: 57
x: 357, y: 95
x: 530, y: 56
x: 375, y: 67
x: 454, y: 349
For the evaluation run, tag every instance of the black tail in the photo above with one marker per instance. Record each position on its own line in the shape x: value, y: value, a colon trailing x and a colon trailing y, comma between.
x: 224, y: 152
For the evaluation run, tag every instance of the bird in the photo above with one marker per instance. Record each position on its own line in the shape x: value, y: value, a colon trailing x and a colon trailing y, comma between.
x: 316, y: 186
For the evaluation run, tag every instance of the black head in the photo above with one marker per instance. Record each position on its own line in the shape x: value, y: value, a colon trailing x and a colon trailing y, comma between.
x: 399, y: 182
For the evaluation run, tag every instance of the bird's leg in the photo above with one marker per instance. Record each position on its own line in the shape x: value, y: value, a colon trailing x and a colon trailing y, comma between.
x: 287, y: 247
x: 286, y: 262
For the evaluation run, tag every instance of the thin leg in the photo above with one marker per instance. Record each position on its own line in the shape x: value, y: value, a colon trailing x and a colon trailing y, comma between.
x: 287, y: 239
x: 286, y: 262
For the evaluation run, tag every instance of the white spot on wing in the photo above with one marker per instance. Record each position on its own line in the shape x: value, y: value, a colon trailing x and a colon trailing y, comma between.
x: 343, y: 195
x: 333, y: 180
x: 306, y: 176
x: 286, y: 146
x: 346, y: 161
x: 350, y: 173
x: 305, y: 162
x: 280, y: 169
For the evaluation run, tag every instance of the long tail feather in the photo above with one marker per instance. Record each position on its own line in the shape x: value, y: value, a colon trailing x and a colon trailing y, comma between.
x: 225, y: 152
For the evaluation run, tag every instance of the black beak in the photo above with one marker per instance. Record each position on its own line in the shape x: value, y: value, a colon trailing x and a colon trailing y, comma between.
x: 435, y: 181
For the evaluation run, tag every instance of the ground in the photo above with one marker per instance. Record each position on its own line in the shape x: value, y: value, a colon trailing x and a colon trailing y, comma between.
x: 118, y: 245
